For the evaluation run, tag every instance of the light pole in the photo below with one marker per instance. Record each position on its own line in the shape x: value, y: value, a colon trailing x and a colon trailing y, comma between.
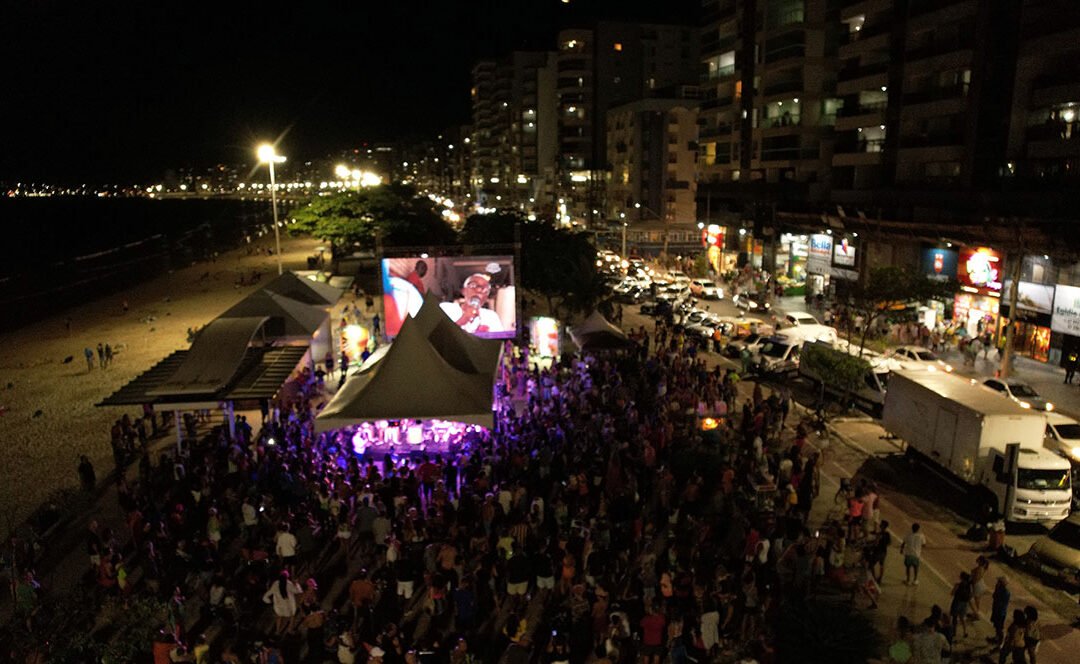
x: 268, y: 155
x: 624, y: 240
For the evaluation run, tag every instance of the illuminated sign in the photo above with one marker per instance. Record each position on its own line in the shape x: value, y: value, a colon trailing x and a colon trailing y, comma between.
x: 980, y: 268
x: 1066, y: 317
x: 844, y: 253
x: 819, y: 260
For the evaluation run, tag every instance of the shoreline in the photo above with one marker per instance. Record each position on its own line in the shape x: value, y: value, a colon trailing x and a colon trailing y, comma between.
x: 47, y: 412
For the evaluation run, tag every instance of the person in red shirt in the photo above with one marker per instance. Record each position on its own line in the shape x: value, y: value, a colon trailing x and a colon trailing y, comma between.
x: 652, y: 636
x: 416, y: 277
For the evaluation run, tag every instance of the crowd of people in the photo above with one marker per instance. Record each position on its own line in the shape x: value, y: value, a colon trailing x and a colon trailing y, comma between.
x: 599, y: 520
x: 595, y: 521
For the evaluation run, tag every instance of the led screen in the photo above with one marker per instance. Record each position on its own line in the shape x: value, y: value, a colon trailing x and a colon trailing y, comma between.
x: 476, y: 292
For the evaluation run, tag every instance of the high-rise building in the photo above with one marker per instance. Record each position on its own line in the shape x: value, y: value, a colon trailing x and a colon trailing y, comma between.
x: 514, y: 136
x: 1043, y: 153
x: 597, y: 69
x: 769, y: 75
x: 652, y: 150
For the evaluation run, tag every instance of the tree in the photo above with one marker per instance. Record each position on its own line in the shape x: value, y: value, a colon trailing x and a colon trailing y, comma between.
x: 834, y: 368
x: 354, y: 218
x: 557, y: 263
x: 889, y: 288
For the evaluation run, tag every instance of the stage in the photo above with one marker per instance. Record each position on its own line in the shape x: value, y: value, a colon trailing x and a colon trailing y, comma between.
x: 409, y: 437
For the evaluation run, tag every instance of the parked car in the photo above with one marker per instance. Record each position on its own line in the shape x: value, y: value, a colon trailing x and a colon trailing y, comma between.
x: 751, y: 302
x: 797, y: 318
x: 707, y: 290
x: 678, y: 277
x: 1063, y: 436
x: 916, y: 357
x: 751, y: 342
x: 1057, y: 553
x: 1019, y: 392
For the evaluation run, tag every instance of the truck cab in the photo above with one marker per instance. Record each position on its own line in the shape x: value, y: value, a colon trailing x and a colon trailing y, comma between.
x: 1036, y: 487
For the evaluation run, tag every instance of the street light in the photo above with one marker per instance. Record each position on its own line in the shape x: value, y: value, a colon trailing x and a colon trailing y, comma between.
x: 268, y: 155
x: 624, y: 239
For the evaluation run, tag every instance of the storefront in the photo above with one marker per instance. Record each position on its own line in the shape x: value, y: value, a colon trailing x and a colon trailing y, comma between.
x: 818, y: 264
x: 976, y: 306
x: 791, y: 259
x: 1065, y: 322
x: 938, y: 263
x: 1032, y: 324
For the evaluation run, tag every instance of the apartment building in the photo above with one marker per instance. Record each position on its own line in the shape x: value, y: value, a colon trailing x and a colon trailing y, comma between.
x: 769, y: 77
x: 1043, y: 153
x: 514, y: 129
x: 599, y: 68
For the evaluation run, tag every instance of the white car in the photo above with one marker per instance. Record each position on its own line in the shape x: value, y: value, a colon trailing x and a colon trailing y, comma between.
x: 1062, y: 436
x: 913, y: 358
x: 706, y: 289
x: 1019, y: 392
x: 797, y: 318
x: 679, y: 277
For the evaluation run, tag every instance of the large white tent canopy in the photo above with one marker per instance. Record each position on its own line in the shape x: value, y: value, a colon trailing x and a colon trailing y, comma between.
x: 433, y: 370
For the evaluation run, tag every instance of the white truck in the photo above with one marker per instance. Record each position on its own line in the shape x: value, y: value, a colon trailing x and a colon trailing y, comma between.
x: 779, y: 354
x: 870, y: 393
x: 994, y: 447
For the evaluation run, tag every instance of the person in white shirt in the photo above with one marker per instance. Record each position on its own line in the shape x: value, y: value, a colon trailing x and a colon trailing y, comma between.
x: 912, y: 547
x: 285, y: 544
x: 282, y: 594
x: 469, y: 312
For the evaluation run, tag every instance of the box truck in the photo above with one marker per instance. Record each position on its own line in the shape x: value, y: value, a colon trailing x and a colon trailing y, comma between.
x: 993, y: 446
x: 870, y: 392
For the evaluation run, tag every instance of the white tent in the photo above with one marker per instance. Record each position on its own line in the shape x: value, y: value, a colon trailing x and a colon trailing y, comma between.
x: 412, y: 381
x: 597, y: 332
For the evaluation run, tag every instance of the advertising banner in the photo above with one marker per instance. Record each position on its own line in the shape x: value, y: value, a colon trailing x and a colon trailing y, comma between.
x: 939, y: 263
x: 844, y: 253
x: 476, y: 292
x: 1066, y: 318
x: 980, y: 269
x: 1037, y: 298
x: 819, y: 258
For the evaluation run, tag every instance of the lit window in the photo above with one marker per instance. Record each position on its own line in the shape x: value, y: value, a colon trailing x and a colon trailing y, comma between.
x: 618, y: 46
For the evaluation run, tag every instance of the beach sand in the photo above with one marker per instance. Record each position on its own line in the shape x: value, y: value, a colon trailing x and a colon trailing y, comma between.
x: 39, y: 451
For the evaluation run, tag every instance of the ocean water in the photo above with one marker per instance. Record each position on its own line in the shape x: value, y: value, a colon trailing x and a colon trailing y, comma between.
x: 59, y: 251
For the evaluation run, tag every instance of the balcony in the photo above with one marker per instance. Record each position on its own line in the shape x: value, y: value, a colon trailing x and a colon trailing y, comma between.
x: 717, y: 102
x: 785, y: 53
x: 782, y: 87
x: 933, y: 140
x: 936, y: 48
x: 854, y: 71
x: 715, y: 132
x: 781, y: 121
x: 789, y: 154
x: 936, y: 94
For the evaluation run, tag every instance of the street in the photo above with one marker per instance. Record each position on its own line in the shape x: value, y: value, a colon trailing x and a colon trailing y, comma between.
x: 911, y: 494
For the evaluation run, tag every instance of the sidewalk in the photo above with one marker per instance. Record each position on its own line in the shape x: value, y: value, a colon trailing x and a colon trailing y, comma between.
x: 1046, y: 379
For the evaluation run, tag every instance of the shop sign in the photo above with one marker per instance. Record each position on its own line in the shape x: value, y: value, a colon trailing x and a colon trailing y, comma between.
x: 980, y: 269
x: 844, y: 253
x: 939, y: 263
x: 1037, y: 298
x: 819, y: 260
x: 1066, y: 318
x: 713, y: 236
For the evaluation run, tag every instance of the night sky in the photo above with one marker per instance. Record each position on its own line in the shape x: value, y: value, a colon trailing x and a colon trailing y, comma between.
x: 107, y: 92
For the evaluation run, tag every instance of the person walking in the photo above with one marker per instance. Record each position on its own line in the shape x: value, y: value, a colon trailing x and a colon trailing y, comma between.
x: 89, y: 358
x: 999, y: 610
x: 282, y: 594
x: 912, y: 547
x: 108, y: 355
x: 87, y: 477
x: 1014, y: 643
x: 1072, y: 360
x: 1032, y: 634
x: 961, y: 602
x: 101, y: 354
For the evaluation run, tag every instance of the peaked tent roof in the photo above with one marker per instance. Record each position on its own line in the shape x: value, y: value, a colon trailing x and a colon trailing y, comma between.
x: 214, y: 357
x: 464, y: 351
x: 413, y: 381
x: 298, y: 288
x: 596, y: 332
x: 300, y: 320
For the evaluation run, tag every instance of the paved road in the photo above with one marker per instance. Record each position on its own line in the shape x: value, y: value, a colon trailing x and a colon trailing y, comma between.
x: 910, y: 494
